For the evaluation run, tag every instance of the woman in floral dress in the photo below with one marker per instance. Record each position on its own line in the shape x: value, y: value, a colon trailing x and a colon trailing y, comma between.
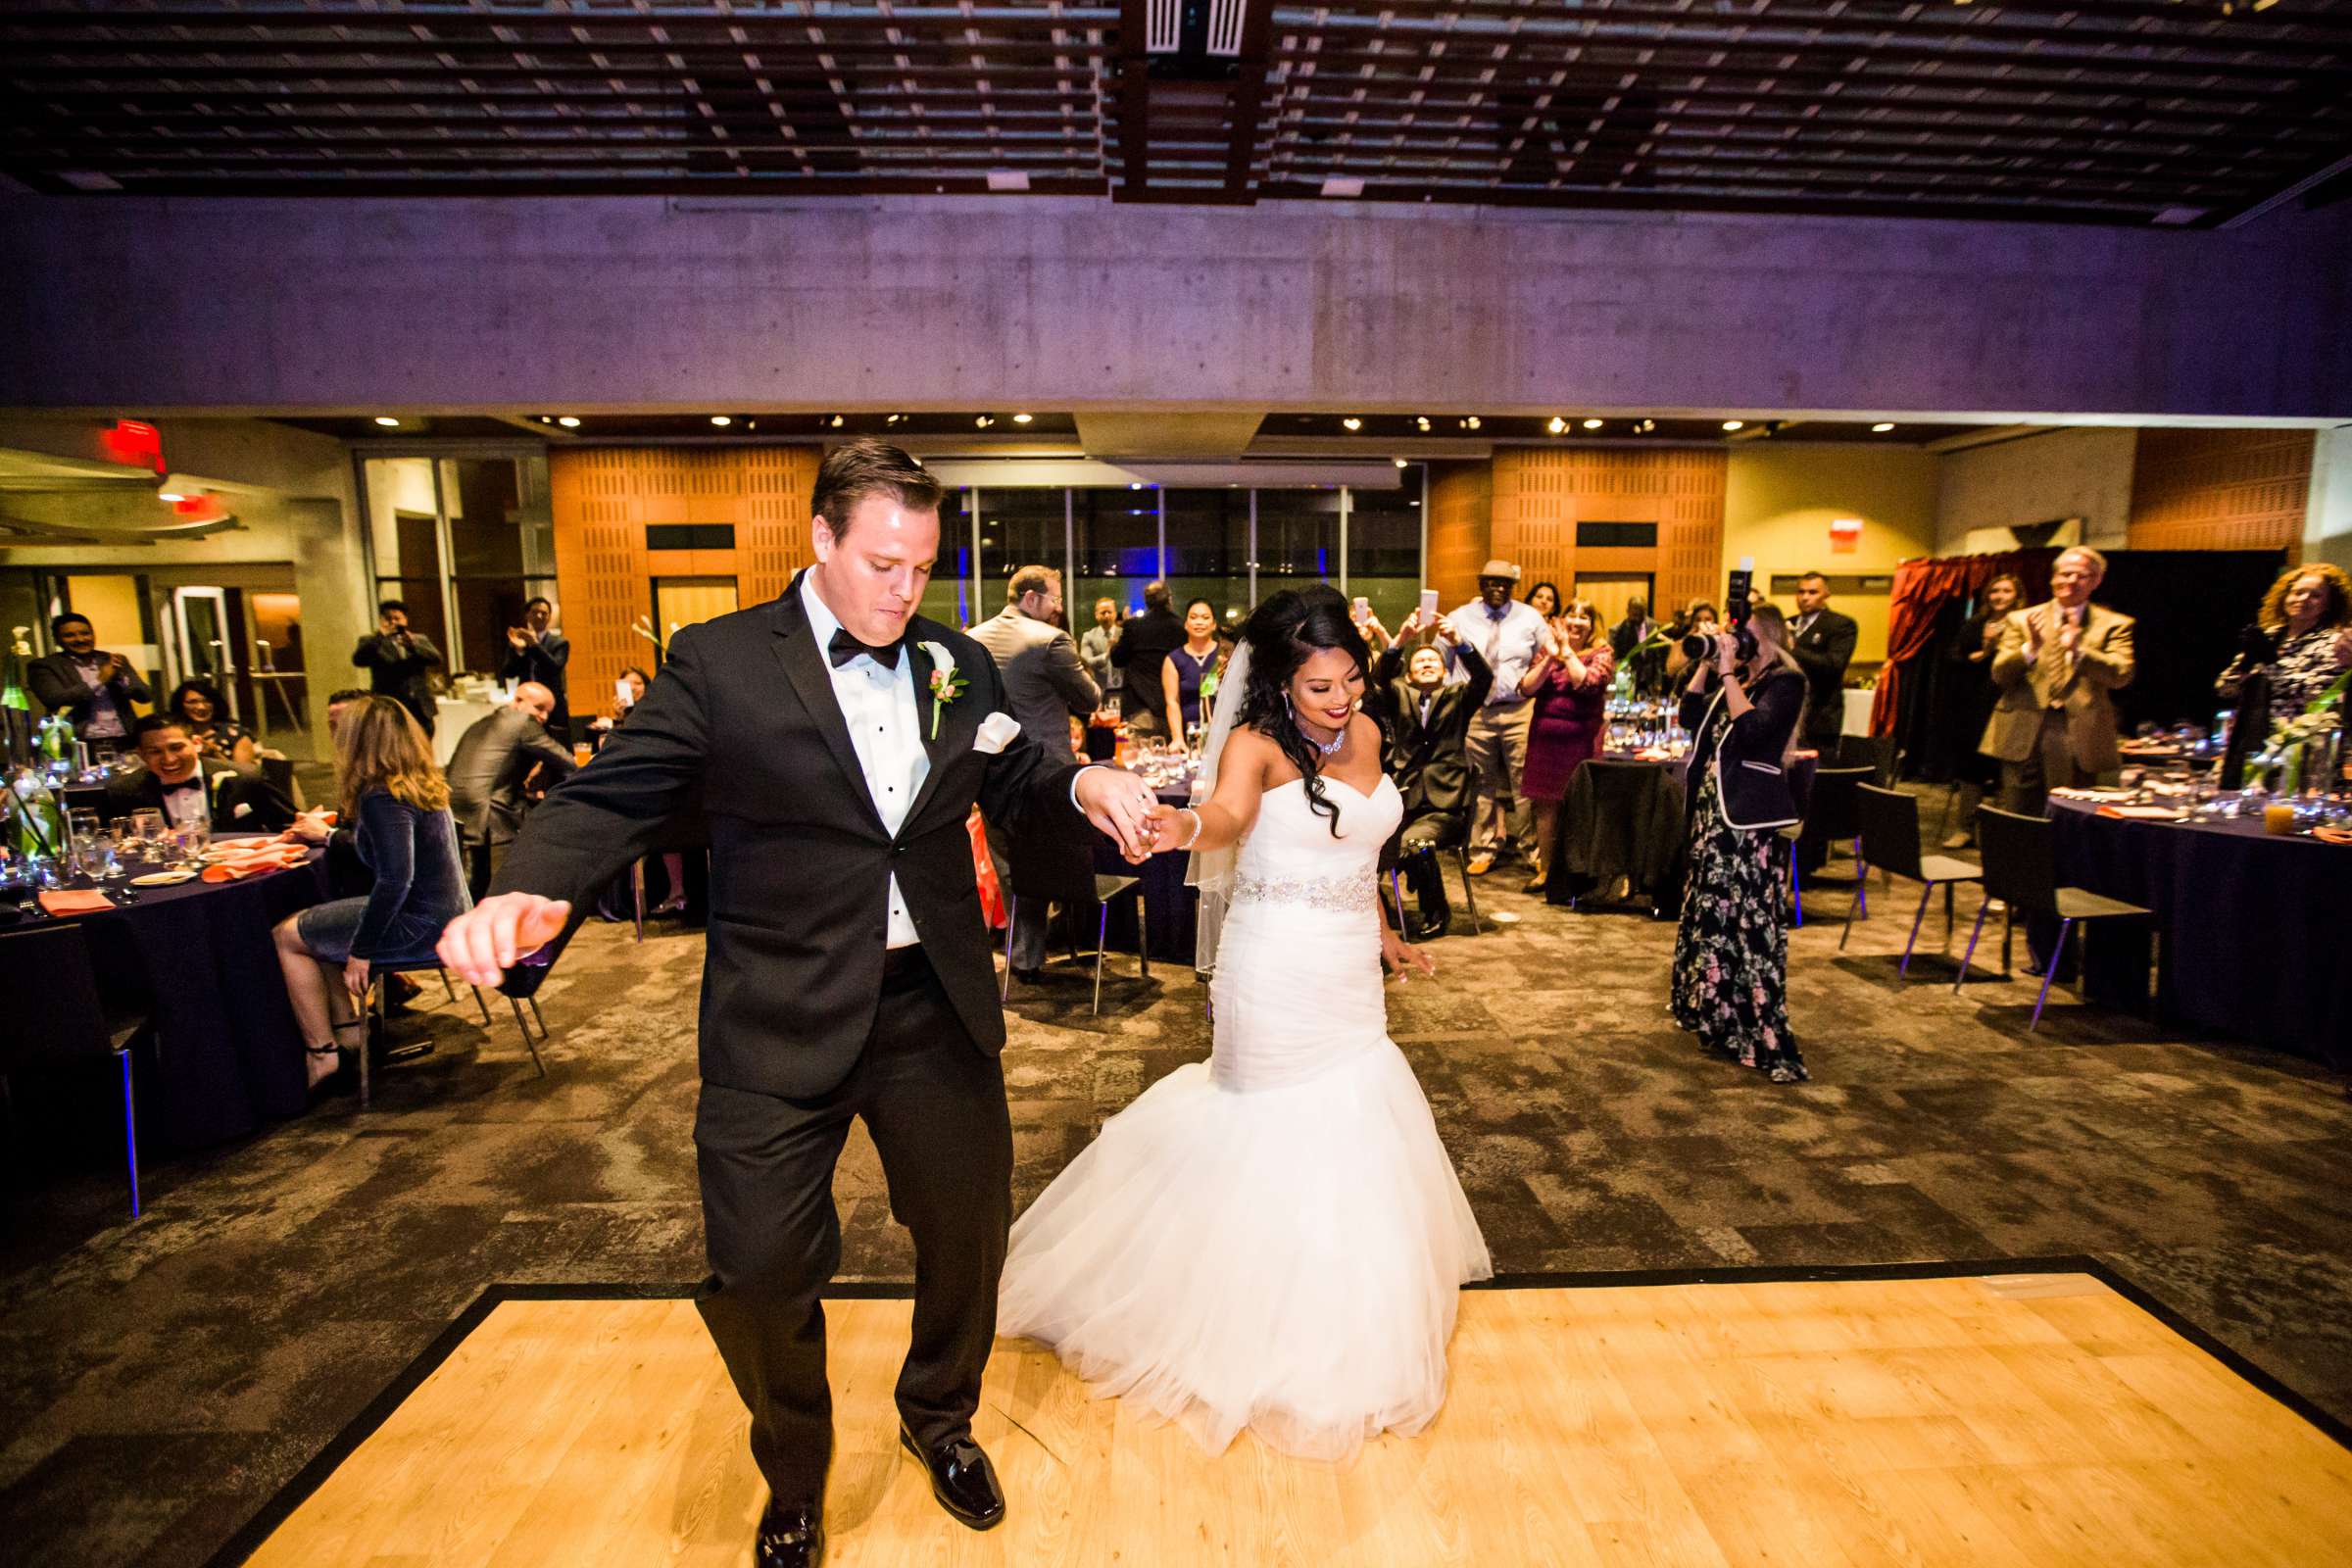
x: 1731, y: 952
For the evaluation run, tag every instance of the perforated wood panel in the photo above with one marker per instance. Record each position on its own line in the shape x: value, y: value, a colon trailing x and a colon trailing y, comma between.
x: 2221, y: 489
x: 1461, y: 527
x: 605, y: 497
x: 1542, y: 494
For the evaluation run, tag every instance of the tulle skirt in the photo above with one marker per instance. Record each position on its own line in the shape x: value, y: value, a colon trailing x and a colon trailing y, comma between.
x: 1273, y: 1239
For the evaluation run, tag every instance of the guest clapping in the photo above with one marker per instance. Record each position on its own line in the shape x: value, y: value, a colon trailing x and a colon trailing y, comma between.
x: 1570, y: 685
x: 2056, y: 666
x: 400, y: 802
x: 1427, y: 724
x: 201, y: 712
x: 93, y: 688
x: 2300, y: 643
x: 1730, y: 951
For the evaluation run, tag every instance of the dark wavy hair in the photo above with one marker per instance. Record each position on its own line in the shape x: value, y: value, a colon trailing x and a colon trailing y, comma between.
x: 176, y: 703
x: 1283, y: 633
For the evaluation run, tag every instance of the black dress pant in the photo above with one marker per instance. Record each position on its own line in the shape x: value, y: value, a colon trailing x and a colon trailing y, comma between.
x: 935, y: 1106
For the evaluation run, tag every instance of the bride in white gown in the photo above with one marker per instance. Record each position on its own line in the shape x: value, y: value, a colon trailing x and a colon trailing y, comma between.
x: 1273, y: 1239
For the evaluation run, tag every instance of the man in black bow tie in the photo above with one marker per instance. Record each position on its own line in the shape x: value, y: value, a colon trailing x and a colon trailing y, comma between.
x: 178, y: 780
x: 838, y: 742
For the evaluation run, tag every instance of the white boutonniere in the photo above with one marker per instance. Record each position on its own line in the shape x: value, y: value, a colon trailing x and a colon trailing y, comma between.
x: 947, y: 681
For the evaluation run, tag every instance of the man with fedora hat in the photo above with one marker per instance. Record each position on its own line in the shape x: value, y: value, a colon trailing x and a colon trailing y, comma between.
x: 1509, y: 634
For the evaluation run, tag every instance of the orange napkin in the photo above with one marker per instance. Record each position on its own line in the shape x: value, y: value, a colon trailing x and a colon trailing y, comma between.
x: 76, y: 902
x: 258, y: 862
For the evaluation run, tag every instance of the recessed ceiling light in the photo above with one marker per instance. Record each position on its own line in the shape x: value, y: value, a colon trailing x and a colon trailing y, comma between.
x: 1400, y: 462
x: 1421, y: 421
x: 1135, y: 484
x: 1591, y: 425
x: 170, y: 495
x: 1471, y: 424
x: 1022, y: 418
x: 1352, y: 422
x: 893, y: 418
x: 570, y: 422
x: 1734, y: 424
x: 835, y: 421
x: 985, y: 420
x: 722, y: 419
x: 387, y: 421
x: 1882, y: 427
x: 1556, y: 426
x: 1337, y: 187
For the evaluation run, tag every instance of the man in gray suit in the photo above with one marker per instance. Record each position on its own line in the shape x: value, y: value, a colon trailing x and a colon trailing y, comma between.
x: 489, y: 770
x: 1044, y: 685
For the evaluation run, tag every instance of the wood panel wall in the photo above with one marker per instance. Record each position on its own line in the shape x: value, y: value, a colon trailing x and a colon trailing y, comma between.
x: 1461, y: 528
x: 2221, y: 489
x: 603, y: 497
x: 1541, y: 494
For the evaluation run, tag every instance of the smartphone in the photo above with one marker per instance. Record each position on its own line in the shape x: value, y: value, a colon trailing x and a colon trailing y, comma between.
x: 621, y: 693
x: 1362, y: 611
x: 1429, y: 604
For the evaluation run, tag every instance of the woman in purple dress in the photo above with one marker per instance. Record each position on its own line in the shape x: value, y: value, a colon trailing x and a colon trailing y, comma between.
x: 1569, y: 683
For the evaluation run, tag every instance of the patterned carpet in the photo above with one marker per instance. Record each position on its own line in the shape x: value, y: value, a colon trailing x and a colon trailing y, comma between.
x: 160, y: 1381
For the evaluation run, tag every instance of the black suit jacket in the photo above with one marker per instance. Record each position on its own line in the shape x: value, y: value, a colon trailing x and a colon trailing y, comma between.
x: 1750, y: 778
x: 242, y: 802
x: 487, y: 769
x: 1824, y: 650
x: 1431, y: 760
x: 799, y: 861
x: 1144, y: 645
x: 57, y: 685
x: 399, y: 671
x: 545, y: 660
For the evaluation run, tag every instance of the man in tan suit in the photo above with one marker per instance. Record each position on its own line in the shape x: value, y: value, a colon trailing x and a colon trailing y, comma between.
x: 2054, y: 725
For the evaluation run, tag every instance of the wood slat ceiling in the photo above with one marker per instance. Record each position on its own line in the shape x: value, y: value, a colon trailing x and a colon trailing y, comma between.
x: 2184, y: 111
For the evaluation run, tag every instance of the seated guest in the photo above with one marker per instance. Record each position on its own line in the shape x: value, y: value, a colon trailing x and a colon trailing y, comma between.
x: 178, y: 780
x: 1186, y: 666
x: 627, y: 693
x: 92, y: 688
x: 1570, y: 684
x: 489, y: 770
x: 400, y: 802
x: 198, y: 706
x: 2300, y: 642
x: 1428, y: 727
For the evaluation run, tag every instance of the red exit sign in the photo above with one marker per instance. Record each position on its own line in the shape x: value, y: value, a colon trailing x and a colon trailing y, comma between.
x: 133, y: 442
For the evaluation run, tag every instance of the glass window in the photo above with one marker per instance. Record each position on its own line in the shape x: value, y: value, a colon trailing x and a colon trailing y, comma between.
x: 1118, y: 544
x: 1384, y: 548
x: 949, y: 597
x: 1208, y: 549
x: 1297, y: 538
x: 1020, y: 528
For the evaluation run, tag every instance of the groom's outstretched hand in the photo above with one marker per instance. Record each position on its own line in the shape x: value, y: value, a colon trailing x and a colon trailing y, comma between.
x: 1119, y: 804
x: 481, y: 945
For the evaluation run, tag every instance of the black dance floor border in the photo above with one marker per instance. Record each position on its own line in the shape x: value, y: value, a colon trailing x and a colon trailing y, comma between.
x: 248, y: 1540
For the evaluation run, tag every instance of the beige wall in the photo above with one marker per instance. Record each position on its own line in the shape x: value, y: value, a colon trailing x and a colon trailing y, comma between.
x: 2081, y: 474
x: 1778, y: 501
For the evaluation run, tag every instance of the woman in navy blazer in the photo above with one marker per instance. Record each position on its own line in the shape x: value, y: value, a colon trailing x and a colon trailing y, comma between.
x: 1731, y: 952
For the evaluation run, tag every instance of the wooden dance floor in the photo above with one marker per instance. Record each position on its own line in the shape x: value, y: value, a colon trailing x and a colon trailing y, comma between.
x: 2027, y: 1418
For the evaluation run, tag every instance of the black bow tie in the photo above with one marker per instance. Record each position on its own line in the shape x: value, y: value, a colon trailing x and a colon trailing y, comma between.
x: 845, y: 648
x: 194, y: 781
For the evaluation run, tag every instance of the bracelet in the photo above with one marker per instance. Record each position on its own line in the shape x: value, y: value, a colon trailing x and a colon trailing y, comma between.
x: 1197, y: 826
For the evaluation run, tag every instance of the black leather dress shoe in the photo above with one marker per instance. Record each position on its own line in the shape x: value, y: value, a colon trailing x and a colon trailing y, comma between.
x: 962, y: 1479
x: 789, y: 1538
x: 1030, y: 977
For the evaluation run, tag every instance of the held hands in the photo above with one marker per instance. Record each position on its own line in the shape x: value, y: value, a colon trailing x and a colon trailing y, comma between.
x: 482, y: 944
x: 1120, y: 805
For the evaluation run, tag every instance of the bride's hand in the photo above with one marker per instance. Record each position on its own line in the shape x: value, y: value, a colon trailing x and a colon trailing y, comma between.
x: 1167, y: 826
x: 1401, y: 957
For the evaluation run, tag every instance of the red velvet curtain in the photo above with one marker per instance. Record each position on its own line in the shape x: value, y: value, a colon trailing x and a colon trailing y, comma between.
x: 1922, y: 588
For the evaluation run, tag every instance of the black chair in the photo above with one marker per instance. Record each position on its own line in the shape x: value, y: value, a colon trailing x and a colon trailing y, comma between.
x: 58, y: 1015
x: 1878, y: 752
x: 1062, y: 871
x: 2021, y: 870
x: 1455, y: 841
x: 1833, y: 815
x: 1891, y: 844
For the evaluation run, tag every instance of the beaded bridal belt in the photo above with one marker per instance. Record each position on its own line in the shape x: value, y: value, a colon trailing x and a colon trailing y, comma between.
x: 1344, y: 894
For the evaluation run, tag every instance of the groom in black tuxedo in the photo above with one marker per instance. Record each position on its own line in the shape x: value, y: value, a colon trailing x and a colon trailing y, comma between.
x: 837, y: 755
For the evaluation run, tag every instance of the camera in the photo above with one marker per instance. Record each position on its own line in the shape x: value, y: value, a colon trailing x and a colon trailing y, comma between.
x: 1698, y: 645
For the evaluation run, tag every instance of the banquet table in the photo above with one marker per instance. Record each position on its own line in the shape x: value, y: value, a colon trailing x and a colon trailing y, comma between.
x: 1623, y: 817
x: 2248, y: 923
x: 1170, y: 909
x: 227, y: 1054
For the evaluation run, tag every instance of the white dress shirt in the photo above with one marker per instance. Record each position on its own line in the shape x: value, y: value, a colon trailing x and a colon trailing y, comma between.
x: 1508, y: 644
x: 878, y: 704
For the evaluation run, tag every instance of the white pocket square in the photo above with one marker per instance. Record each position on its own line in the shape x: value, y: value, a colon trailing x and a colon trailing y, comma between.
x: 996, y: 731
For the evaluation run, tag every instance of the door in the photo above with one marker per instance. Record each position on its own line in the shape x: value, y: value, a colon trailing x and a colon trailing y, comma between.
x: 1611, y: 592
x: 201, y: 618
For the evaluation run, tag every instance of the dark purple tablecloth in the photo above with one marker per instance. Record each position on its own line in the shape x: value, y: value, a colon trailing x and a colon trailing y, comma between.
x: 228, y: 1056
x: 2249, y: 923
x: 1170, y: 909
